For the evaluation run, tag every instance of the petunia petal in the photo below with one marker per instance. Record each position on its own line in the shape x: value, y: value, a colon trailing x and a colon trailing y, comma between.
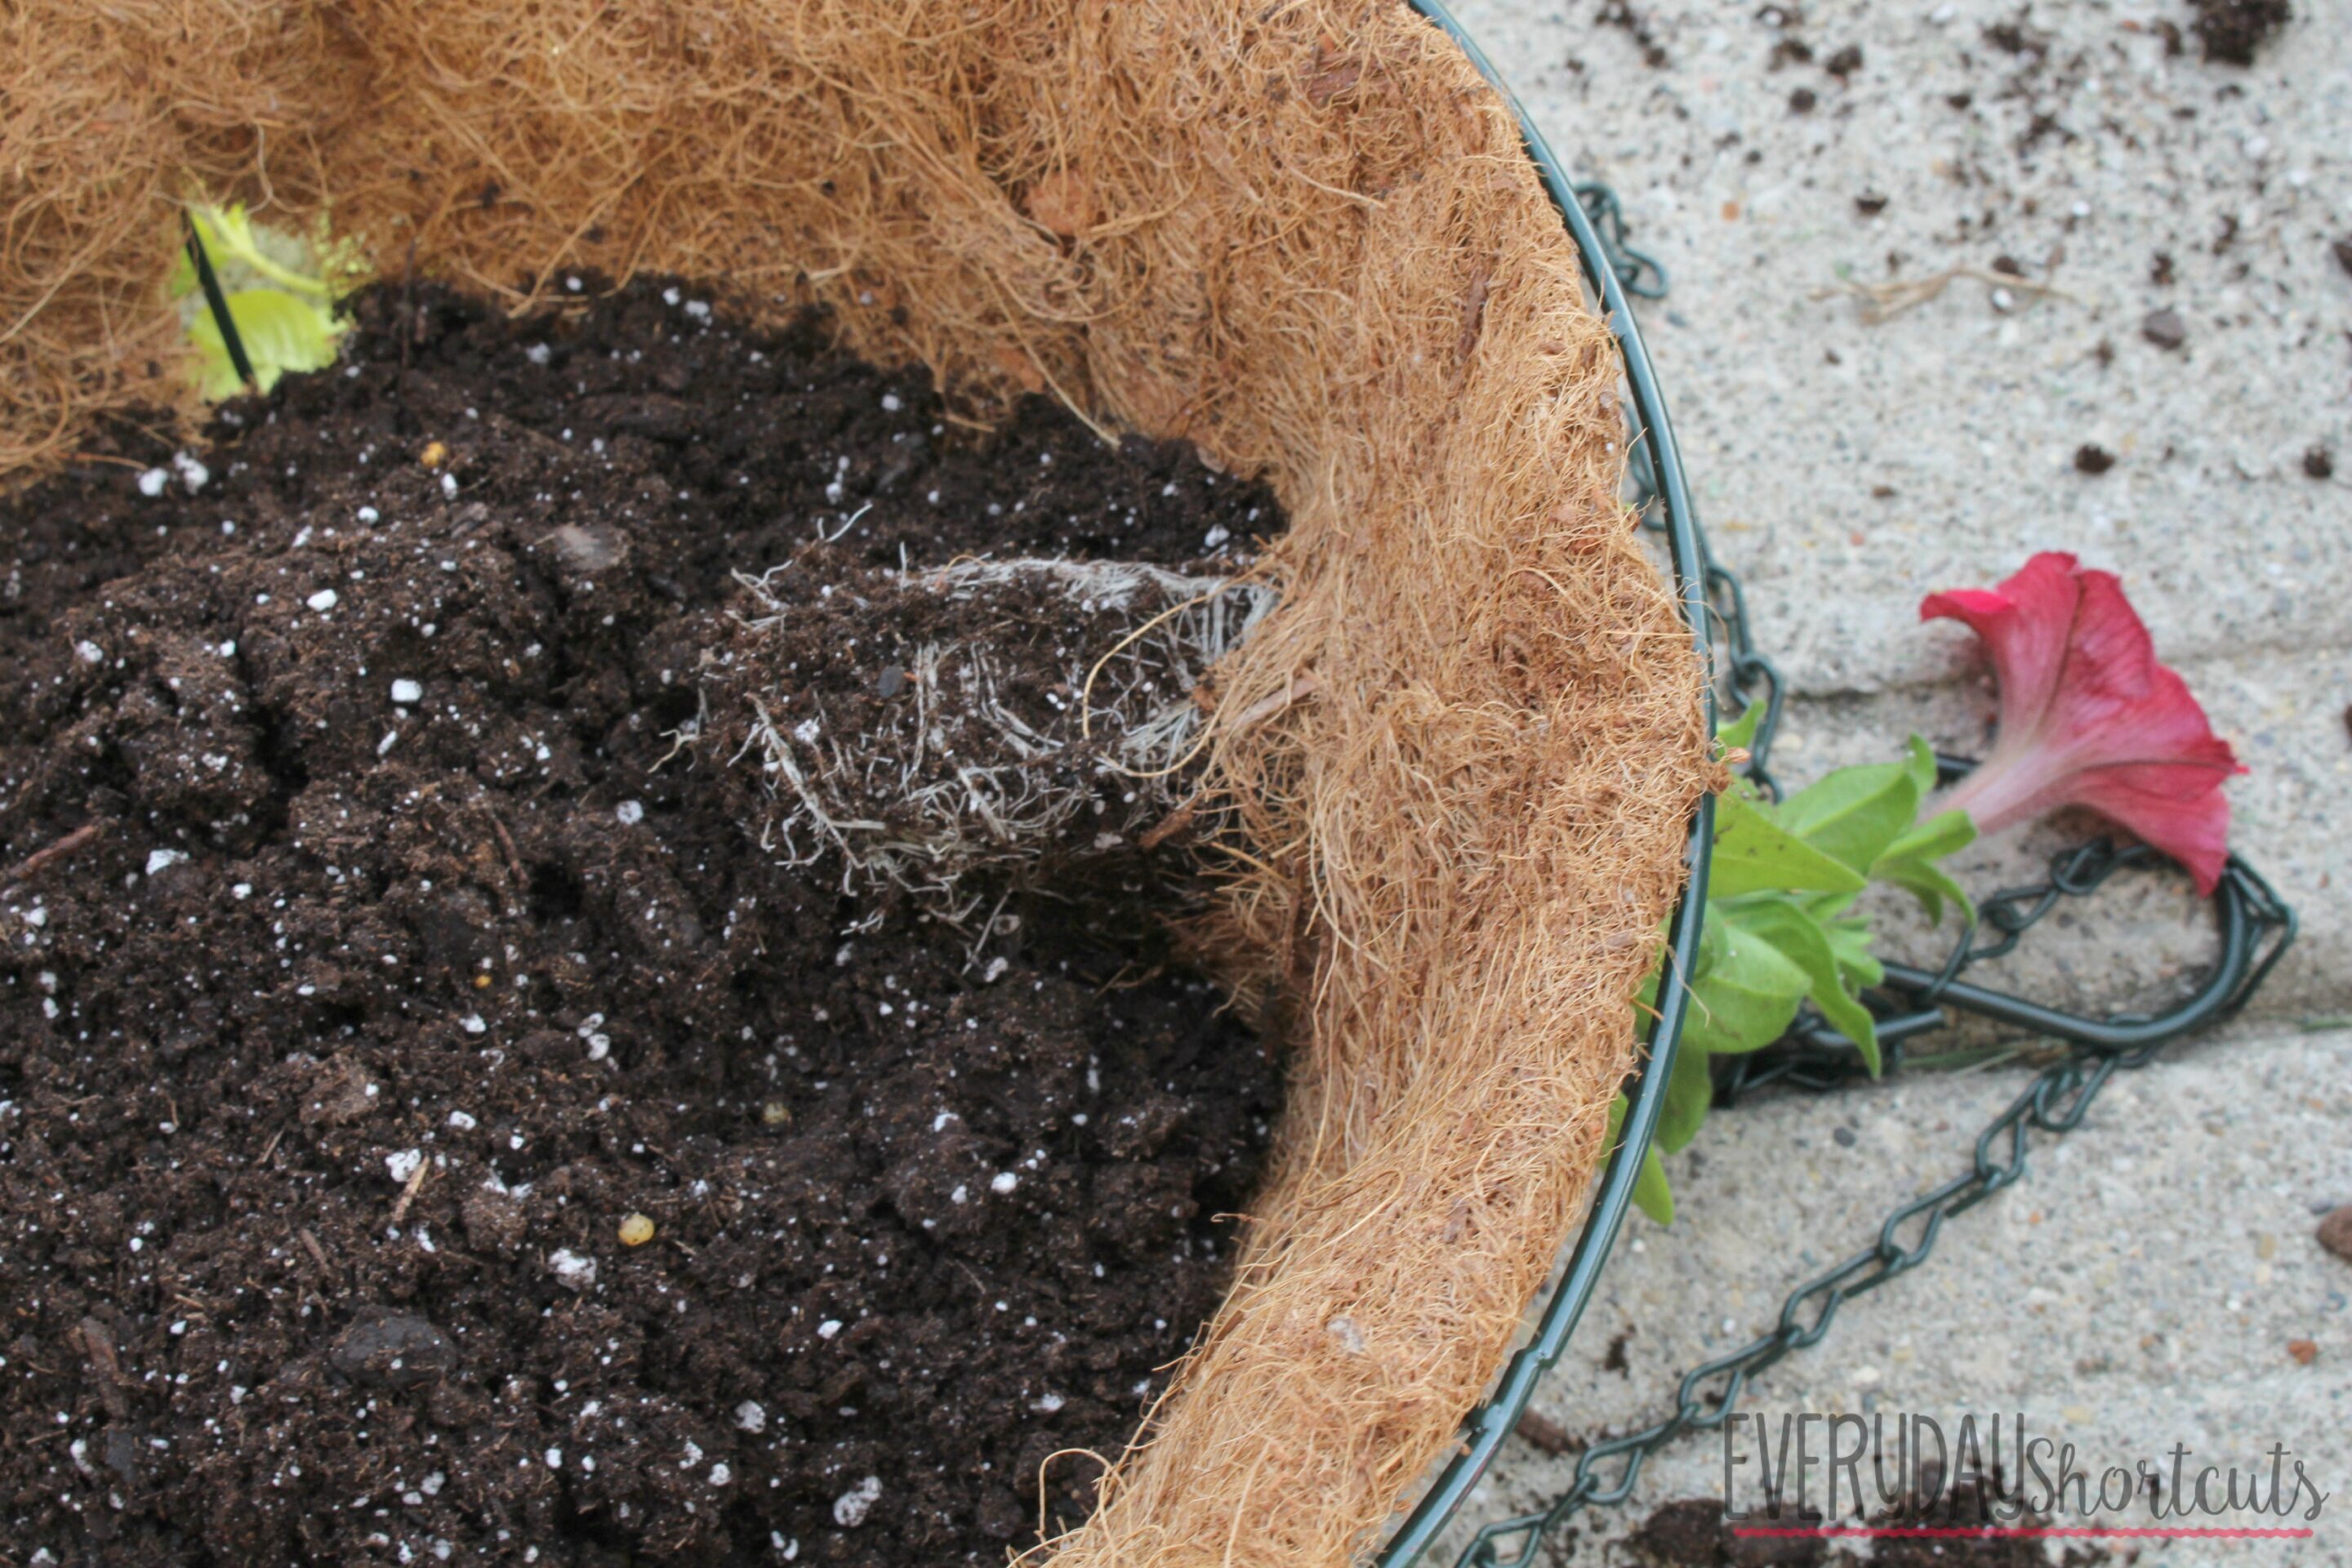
x: 2089, y: 717
x: 2190, y: 823
x: 2024, y: 624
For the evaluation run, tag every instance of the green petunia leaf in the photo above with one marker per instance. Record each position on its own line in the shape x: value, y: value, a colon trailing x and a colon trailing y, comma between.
x: 1931, y: 885
x: 1753, y: 854
x: 279, y: 288
x: 1651, y: 1193
x: 1800, y: 938
x: 1779, y: 929
x: 1741, y: 733
x: 1746, y: 997
x: 1849, y: 937
x: 1854, y: 812
x: 1690, y: 1094
x: 1933, y: 839
x: 1919, y: 760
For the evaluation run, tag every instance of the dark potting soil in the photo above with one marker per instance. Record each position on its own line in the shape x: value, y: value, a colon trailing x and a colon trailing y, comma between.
x: 430, y: 1129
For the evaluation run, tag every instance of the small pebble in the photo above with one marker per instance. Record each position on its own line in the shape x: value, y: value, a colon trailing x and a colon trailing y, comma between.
x: 571, y: 1271
x: 2336, y: 1233
x: 850, y: 1509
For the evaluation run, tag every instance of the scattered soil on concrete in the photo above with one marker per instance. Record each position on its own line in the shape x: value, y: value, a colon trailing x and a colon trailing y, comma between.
x: 2231, y: 30
x: 431, y: 1129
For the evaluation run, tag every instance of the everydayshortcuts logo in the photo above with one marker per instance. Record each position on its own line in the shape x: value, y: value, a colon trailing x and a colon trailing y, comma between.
x: 1796, y: 1473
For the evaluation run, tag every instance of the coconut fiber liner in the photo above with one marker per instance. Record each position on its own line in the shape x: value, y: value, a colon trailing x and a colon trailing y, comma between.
x: 1456, y: 767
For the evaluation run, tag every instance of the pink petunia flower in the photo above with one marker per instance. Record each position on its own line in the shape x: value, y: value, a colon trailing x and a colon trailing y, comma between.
x: 2089, y: 717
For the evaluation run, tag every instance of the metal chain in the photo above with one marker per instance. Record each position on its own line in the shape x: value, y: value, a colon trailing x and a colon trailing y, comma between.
x: 1639, y: 271
x: 2256, y: 926
x: 1709, y: 1395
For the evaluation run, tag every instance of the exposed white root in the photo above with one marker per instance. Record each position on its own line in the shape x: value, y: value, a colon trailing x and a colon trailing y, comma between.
x: 1035, y: 708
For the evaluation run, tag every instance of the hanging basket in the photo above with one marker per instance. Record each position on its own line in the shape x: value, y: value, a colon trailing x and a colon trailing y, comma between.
x: 1461, y: 763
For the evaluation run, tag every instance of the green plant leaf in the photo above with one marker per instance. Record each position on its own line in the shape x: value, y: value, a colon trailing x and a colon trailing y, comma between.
x: 1937, y: 837
x: 281, y: 333
x: 1854, y: 813
x: 1752, y: 854
x: 1780, y: 930
x: 1919, y: 761
x: 1849, y: 937
x: 1744, y: 999
x: 1794, y: 934
x: 1651, y: 1193
x: 1652, y: 1196
x: 1690, y: 1095
x: 1929, y: 884
x: 228, y: 235
x: 1741, y: 733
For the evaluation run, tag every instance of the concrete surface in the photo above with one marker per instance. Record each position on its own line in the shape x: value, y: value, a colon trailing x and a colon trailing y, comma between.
x: 2142, y: 1286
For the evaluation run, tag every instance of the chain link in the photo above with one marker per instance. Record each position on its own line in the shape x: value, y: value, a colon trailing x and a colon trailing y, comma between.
x: 1638, y: 271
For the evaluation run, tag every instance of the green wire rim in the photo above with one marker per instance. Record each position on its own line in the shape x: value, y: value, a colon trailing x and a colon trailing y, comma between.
x: 1484, y: 1431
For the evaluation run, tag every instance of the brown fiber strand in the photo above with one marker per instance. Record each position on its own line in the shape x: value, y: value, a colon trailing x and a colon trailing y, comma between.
x: 1303, y: 236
